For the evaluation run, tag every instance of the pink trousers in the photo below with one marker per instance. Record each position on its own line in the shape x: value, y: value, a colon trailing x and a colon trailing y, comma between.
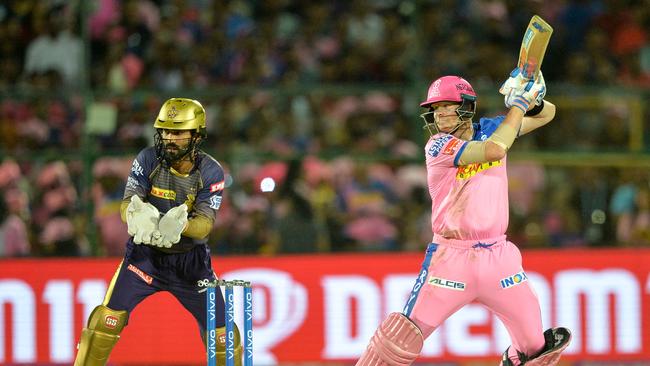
x: 456, y: 272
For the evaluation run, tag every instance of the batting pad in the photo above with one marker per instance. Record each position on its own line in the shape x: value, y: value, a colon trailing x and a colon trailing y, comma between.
x: 397, y: 342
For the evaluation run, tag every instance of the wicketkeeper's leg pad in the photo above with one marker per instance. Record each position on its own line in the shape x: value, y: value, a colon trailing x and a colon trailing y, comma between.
x: 396, y: 342
x: 100, y: 336
x: 556, y: 340
x: 221, y: 346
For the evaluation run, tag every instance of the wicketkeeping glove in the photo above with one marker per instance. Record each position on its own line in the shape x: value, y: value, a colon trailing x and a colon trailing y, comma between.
x: 170, y: 227
x: 142, y: 220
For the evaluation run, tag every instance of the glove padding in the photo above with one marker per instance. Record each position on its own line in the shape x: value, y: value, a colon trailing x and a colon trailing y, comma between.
x: 170, y: 227
x: 142, y: 220
x: 516, y: 80
x: 521, y: 92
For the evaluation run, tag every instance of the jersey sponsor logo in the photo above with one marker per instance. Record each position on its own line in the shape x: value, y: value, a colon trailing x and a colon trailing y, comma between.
x: 145, y: 277
x: 136, y: 168
x: 215, y: 202
x: 470, y: 170
x: 204, y: 282
x: 438, y: 144
x: 451, y: 147
x: 217, y: 186
x: 452, y: 285
x: 131, y: 182
x: 514, y: 280
x: 166, y: 194
x: 110, y: 321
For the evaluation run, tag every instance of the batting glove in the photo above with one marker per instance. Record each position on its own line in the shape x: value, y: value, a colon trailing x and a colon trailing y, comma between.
x: 523, y: 96
x: 518, y: 81
x: 515, y: 81
x: 142, y: 220
x: 171, y: 226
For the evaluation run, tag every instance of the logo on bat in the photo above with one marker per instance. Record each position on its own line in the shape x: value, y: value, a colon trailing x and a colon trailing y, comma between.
x: 527, y: 38
x: 539, y: 27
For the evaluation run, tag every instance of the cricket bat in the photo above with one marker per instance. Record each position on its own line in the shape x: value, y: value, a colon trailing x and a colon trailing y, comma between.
x: 533, y: 46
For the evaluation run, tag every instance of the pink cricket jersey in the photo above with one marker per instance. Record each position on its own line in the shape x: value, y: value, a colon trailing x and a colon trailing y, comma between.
x: 469, y: 202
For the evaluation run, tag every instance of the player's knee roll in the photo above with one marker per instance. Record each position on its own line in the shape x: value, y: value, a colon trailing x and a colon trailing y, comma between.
x: 107, y: 320
x: 100, y: 336
x: 221, y: 346
x: 397, y: 341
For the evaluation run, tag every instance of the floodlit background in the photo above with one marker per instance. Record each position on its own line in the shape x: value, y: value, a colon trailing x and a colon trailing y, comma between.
x: 313, y: 110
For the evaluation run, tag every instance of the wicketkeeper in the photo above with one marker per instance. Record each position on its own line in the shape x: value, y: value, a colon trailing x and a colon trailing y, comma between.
x: 171, y: 198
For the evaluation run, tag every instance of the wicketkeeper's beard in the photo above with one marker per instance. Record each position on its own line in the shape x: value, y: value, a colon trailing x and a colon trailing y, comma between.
x: 174, y: 152
x: 171, y: 152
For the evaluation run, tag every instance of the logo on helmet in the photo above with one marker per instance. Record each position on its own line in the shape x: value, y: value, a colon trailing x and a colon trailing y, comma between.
x: 465, y: 87
x: 172, y: 113
x: 435, y: 89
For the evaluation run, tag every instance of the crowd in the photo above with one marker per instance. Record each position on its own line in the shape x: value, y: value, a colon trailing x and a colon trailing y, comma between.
x: 168, y: 45
x: 346, y: 163
x: 311, y: 204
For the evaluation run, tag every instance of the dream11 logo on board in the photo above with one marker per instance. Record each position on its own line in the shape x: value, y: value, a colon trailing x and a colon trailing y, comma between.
x: 284, y: 300
x: 612, y: 314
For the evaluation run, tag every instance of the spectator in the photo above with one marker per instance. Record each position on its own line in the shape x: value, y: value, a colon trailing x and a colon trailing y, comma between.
x: 14, y: 238
x: 633, y: 227
x: 55, y: 49
x: 54, y: 213
x: 107, y: 194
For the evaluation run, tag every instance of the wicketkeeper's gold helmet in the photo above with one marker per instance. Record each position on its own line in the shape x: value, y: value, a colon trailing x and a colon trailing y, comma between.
x: 182, y: 114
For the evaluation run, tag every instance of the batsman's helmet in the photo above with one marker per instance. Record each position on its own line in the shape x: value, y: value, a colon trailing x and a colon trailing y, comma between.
x: 450, y: 89
x: 182, y: 114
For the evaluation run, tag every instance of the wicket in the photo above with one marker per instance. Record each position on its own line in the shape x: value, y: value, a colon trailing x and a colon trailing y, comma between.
x: 230, y: 321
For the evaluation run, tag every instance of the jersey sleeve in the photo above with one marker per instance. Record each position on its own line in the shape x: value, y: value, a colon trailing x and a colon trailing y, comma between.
x: 487, y: 126
x: 138, y: 180
x: 209, y: 196
x: 444, y: 150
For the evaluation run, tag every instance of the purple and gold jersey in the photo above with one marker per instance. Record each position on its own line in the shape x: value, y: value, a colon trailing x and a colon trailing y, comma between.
x: 163, y: 187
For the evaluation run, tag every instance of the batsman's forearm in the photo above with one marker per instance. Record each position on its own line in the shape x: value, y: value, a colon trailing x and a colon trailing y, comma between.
x: 531, y: 123
x: 497, y: 145
x: 198, y: 227
x: 505, y: 135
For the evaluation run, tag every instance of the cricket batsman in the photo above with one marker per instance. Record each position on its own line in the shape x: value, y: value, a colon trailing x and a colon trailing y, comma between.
x: 169, y: 253
x: 470, y: 258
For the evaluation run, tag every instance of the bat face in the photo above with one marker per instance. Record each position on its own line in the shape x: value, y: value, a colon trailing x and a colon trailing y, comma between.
x: 533, y: 46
